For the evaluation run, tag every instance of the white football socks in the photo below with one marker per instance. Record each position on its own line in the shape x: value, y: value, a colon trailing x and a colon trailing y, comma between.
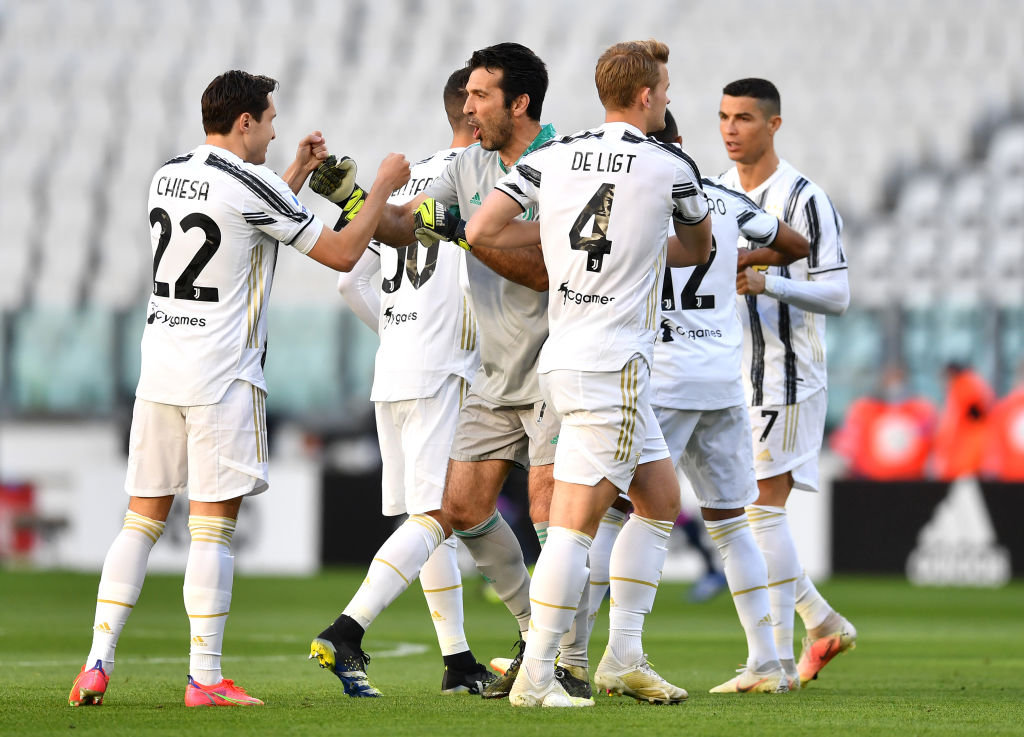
x: 747, y: 574
x: 812, y: 607
x: 558, y: 582
x: 499, y: 557
x: 395, y: 565
x: 770, y: 526
x: 209, y: 574
x: 635, y: 572
x: 600, y: 556
x: 124, y: 570
x: 442, y: 587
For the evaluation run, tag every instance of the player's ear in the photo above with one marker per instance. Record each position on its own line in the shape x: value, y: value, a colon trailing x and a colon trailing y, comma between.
x: 520, y: 104
x: 774, y: 123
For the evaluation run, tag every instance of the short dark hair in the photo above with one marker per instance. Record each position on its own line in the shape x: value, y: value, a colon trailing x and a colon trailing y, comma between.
x: 670, y: 132
x: 766, y: 94
x: 455, y: 95
x: 523, y: 73
x: 231, y: 94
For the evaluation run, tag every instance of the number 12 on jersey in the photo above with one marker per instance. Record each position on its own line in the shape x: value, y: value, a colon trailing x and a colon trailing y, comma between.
x: 596, y: 245
x: 688, y: 298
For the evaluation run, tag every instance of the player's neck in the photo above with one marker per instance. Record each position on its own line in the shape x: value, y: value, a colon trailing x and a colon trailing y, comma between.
x: 228, y: 143
x: 754, y: 174
x: 633, y: 117
x: 522, y: 137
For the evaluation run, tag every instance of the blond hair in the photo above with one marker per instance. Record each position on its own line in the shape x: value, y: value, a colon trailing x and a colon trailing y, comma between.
x: 625, y: 69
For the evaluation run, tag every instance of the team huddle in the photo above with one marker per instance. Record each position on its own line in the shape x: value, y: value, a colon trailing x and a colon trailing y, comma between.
x: 586, y: 306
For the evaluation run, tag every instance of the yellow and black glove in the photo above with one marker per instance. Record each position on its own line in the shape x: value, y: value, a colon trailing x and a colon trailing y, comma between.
x: 335, y: 179
x: 435, y: 223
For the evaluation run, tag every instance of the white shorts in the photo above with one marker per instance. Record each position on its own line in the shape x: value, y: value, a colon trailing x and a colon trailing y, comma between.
x: 713, y: 448
x: 215, y: 452
x: 788, y: 438
x: 415, y: 439
x: 608, y: 425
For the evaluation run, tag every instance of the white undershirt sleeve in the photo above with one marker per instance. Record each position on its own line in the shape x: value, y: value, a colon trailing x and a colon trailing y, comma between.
x: 828, y: 294
x: 359, y: 290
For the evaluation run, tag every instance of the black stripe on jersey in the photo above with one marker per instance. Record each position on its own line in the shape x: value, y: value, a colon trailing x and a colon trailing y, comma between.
x: 512, y: 186
x: 794, y: 194
x: 761, y: 199
x: 789, y: 355
x: 756, y: 352
x: 744, y: 217
x: 301, y: 230
x: 683, y: 190
x: 841, y: 267
x: 529, y: 174
x: 178, y: 159
x: 258, y: 187
x: 729, y: 191
x: 813, y: 231
x: 839, y: 241
x: 258, y: 218
x: 630, y: 137
x: 570, y: 139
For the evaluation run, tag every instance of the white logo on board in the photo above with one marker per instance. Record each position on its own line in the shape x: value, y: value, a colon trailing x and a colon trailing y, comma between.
x: 958, y: 546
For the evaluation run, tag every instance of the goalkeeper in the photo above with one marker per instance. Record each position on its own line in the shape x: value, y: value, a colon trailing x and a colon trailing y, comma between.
x: 503, y: 421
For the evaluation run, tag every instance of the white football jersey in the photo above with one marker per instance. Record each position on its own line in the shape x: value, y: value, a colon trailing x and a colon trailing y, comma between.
x: 216, y: 222
x: 698, y: 354
x: 784, y: 346
x: 605, y: 198
x: 427, y: 331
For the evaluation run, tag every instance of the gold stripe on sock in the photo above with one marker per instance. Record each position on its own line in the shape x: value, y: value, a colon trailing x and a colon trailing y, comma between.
x: 425, y: 520
x: 552, y: 606
x: 381, y: 560
x: 632, y: 580
x: 446, y: 588
x: 747, y: 591
x: 144, y: 530
x: 600, y: 583
x: 779, y: 583
x: 111, y: 601
x: 208, y: 616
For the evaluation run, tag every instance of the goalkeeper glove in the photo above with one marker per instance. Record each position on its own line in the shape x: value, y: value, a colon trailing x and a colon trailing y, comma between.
x: 336, y: 180
x: 435, y: 223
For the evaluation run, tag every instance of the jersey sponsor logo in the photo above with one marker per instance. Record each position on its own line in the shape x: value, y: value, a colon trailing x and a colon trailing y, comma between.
x: 183, y: 189
x: 164, y: 318
x: 669, y: 330
x: 397, y: 318
x: 571, y: 295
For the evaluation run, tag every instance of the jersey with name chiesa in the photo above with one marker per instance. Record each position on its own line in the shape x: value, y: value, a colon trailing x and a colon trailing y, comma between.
x: 511, y: 318
x: 784, y: 346
x: 606, y: 197
x: 427, y: 331
x: 699, y: 351
x: 216, y: 223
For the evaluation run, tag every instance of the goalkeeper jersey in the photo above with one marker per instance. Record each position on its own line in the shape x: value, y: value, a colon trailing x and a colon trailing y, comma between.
x: 216, y: 222
x: 784, y: 346
x: 511, y: 318
x: 605, y: 197
x: 698, y: 354
x: 427, y: 331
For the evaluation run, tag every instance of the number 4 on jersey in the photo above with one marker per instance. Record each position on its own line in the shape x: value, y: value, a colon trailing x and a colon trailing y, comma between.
x: 597, y: 245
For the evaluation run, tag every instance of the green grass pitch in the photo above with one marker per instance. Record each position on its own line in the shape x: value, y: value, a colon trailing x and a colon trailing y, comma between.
x: 929, y: 662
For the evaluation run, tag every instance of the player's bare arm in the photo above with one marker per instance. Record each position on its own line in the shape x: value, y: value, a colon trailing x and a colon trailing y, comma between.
x: 340, y: 250
x: 788, y: 246
x: 691, y: 245
x: 495, y: 225
x: 311, y: 152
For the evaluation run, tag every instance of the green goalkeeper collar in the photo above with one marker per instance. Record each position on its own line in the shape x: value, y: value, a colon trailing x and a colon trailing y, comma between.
x: 546, y: 134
